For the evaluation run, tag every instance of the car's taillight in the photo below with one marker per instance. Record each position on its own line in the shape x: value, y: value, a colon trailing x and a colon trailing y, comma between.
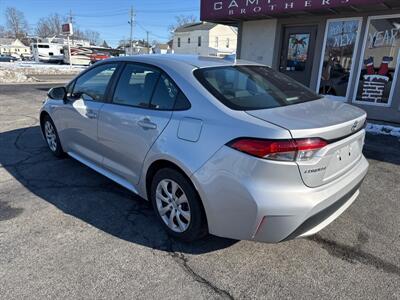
x: 283, y: 150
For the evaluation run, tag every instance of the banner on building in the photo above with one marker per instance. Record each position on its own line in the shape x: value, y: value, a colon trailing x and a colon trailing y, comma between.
x: 214, y: 10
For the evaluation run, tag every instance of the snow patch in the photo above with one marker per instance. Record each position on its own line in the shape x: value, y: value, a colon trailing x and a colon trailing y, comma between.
x: 40, y: 68
x: 11, y: 76
x: 17, y: 72
x: 383, y: 129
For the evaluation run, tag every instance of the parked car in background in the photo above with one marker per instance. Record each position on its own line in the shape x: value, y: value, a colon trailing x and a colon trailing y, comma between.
x: 98, y: 56
x: 85, y: 56
x: 231, y: 148
x: 7, y: 58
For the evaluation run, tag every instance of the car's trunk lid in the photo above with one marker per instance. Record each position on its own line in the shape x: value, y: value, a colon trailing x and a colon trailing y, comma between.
x: 338, y: 123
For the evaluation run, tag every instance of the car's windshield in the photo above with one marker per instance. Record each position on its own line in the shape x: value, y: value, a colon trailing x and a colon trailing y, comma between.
x: 253, y: 87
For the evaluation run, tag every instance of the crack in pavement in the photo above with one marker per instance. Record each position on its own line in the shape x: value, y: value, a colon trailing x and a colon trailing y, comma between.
x: 168, y: 245
x: 354, y: 254
x: 182, y: 261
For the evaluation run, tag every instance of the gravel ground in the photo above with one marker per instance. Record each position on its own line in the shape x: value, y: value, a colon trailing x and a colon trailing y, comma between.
x: 67, y: 232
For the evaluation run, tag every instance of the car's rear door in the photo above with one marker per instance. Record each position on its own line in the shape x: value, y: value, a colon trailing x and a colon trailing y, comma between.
x: 130, y: 123
x: 77, y: 119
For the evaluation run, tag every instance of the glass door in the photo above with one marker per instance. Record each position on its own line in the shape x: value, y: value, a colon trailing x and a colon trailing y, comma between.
x: 298, y: 53
x: 337, y: 62
x: 379, y: 64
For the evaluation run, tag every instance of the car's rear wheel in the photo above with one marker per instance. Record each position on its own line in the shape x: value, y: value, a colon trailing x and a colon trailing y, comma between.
x: 177, y: 205
x: 51, y: 135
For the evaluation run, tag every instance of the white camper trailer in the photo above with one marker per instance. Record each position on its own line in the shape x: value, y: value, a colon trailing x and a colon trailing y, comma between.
x: 48, y: 52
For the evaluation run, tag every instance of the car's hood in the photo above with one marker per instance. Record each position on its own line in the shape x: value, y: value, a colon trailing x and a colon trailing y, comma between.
x: 322, y: 118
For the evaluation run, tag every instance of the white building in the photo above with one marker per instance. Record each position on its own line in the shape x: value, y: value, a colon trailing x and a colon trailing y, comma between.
x: 162, y: 49
x: 206, y: 39
x: 14, y: 47
x: 138, y: 47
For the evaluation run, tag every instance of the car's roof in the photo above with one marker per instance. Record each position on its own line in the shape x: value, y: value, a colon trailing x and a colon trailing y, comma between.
x: 193, y: 60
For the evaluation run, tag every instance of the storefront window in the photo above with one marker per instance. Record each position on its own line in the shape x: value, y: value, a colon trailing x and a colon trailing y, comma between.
x: 297, y: 52
x: 380, y: 61
x: 341, y: 39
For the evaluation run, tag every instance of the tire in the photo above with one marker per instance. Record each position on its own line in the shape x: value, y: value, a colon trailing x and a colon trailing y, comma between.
x: 188, y: 222
x: 51, y: 136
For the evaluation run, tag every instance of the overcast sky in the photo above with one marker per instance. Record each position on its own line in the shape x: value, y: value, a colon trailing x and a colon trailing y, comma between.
x: 109, y: 17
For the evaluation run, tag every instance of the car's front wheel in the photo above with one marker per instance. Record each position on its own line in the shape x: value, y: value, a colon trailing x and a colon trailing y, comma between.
x: 177, y: 205
x: 51, y: 135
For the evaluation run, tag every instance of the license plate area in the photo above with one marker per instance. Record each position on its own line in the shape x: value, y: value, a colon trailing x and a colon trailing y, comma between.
x: 343, y: 159
x: 332, y: 161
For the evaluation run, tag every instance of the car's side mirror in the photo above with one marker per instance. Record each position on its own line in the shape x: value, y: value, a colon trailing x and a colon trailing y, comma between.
x: 57, y: 93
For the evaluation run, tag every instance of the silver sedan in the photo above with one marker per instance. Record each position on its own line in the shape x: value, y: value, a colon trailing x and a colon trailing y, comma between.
x: 231, y: 148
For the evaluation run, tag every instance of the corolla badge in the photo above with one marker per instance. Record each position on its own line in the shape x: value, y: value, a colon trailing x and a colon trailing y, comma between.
x: 354, y: 127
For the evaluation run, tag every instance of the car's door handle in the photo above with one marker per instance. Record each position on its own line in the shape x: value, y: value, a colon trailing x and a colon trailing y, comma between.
x: 147, y: 124
x: 91, y: 114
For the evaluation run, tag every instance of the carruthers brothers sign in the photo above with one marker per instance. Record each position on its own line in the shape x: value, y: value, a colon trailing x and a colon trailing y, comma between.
x: 213, y: 10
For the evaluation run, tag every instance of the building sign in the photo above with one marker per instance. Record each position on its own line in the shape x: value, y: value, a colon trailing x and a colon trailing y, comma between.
x: 380, y: 60
x: 214, y: 10
x: 67, y: 29
x: 340, y: 46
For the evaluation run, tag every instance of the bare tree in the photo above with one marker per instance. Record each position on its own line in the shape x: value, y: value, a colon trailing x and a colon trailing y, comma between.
x: 2, y: 32
x: 78, y: 34
x: 181, y: 20
x: 92, y: 36
x: 16, y: 22
x: 50, y: 26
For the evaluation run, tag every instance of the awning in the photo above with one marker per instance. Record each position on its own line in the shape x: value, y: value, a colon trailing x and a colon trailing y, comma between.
x: 227, y: 11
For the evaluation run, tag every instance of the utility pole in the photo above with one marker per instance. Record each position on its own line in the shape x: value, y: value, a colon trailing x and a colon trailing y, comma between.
x: 148, y: 48
x: 132, y: 15
x: 68, y: 40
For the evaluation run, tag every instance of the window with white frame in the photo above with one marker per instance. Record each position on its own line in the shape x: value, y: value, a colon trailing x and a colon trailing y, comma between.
x: 337, y: 62
x: 379, y: 66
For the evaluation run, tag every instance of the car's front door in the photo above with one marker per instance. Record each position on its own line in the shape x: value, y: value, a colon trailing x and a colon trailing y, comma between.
x: 129, y: 125
x: 80, y: 114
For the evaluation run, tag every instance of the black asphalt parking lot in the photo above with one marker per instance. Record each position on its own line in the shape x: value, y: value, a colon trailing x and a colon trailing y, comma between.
x: 67, y: 232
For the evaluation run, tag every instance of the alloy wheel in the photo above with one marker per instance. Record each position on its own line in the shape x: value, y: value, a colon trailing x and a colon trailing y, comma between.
x: 51, y: 136
x: 173, y: 205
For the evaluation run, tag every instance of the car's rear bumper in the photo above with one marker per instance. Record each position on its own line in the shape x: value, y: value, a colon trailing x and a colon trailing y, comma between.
x: 253, y: 199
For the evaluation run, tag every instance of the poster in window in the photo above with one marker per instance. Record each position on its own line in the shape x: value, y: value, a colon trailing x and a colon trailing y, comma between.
x: 340, y: 46
x: 297, y: 52
x: 380, y: 61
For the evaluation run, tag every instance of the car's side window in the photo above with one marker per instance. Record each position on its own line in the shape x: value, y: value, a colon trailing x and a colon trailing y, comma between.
x: 93, y: 84
x: 136, y: 85
x: 181, y: 102
x: 165, y: 94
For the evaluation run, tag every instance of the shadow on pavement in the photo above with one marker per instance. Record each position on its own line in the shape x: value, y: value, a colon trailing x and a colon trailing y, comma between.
x: 382, y: 148
x: 78, y: 191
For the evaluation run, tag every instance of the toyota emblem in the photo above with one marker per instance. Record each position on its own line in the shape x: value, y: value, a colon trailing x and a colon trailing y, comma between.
x: 354, y: 127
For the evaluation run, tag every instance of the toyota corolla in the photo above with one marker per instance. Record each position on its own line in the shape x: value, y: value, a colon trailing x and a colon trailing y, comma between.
x: 230, y: 148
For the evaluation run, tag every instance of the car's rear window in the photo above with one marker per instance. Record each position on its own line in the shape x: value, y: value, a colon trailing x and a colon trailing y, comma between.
x: 253, y: 87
